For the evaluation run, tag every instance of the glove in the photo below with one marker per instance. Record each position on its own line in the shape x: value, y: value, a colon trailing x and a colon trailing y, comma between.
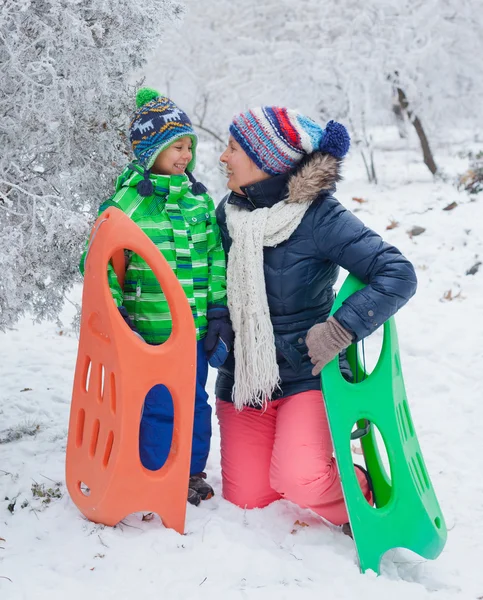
x: 219, y: 339
x: 325, y: 341
x: 127, y: 319
x: 219, y: 355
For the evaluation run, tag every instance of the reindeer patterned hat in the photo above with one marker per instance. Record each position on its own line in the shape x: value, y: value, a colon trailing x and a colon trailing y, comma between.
x: 155, y: 125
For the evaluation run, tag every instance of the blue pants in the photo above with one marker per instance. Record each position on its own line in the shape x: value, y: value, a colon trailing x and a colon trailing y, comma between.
x: 156, y: 429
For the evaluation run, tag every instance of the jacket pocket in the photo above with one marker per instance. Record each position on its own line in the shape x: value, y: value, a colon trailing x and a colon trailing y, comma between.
x: 198, y: 233
x: 289, y: 353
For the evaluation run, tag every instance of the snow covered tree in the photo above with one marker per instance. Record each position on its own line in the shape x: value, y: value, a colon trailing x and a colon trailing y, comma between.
x: 65, y: 99
x: 338, y: 59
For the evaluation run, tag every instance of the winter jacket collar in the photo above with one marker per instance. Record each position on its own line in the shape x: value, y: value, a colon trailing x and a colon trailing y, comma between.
x: 263, y: 194
x: 175, y: 185
x: 317, y: 173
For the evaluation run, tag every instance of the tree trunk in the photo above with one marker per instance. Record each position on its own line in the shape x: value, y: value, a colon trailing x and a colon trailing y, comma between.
x: 400, y: 119
x: 365, y: 141
x: 370, y: 166
x: 427, y: 154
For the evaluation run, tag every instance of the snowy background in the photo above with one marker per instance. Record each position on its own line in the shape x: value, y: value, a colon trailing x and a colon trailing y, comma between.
x: 342, y: 61
x: 51, y: 551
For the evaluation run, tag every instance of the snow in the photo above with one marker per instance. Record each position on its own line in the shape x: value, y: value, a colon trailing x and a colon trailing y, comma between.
x: 51, y: 551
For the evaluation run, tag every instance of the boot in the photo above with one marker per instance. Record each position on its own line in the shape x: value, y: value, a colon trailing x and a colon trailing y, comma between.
x: 193, y: 497
x: 346, y: 530
x: 346, y: 527
x: 199, y: 489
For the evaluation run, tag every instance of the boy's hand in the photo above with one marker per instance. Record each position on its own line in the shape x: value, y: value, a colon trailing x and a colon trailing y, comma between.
x: 124, y: 314
x: 219, y: 355
x: 219, y: 339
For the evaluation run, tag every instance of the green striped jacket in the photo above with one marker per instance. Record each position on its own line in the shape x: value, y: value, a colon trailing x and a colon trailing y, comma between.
x: 183, y: 226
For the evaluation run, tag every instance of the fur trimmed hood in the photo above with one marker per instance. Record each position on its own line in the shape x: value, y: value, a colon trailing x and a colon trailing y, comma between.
x: 318, y: 172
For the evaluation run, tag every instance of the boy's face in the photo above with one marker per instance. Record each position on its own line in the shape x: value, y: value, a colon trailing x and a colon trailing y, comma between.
x: 175, y: 159
x: 240, y: 168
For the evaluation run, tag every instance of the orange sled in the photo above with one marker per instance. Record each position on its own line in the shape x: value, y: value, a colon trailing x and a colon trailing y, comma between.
x: 114, y: 372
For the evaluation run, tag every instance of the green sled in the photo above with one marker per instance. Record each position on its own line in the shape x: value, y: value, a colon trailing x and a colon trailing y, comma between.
x: 406, y: 512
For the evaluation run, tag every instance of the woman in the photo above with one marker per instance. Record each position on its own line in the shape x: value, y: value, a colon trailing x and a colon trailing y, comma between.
x: 286, y: 236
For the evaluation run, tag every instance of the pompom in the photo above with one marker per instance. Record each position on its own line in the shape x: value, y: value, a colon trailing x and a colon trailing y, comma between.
x: 145, y: 187
x: 145, y: 95
x: 196, y: 186
x: 336, y: 140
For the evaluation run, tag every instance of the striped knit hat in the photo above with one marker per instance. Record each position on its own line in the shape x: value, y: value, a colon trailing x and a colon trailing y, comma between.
x: 155, y: 125
x: 276, y: 139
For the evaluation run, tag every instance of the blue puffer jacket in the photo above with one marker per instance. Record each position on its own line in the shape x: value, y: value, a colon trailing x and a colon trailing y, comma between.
x: 300, y: 273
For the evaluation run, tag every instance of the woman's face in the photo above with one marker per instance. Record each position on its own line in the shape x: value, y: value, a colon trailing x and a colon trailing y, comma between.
x: 240, y: 168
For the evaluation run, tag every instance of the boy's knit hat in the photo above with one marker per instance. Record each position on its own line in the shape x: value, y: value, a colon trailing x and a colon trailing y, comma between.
x: 155, y: 125
x: 276, y: 139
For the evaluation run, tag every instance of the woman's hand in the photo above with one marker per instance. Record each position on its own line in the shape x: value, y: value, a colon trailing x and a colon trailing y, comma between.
x: 325, y: 341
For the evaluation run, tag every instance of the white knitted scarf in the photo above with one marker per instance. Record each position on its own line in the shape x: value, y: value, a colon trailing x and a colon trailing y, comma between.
x: 256, y: 369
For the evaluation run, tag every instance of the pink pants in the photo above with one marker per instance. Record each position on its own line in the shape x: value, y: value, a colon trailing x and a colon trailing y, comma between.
x: 284, y: 451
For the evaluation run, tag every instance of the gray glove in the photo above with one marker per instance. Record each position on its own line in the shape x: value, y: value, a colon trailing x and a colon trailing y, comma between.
x: 325, y: 341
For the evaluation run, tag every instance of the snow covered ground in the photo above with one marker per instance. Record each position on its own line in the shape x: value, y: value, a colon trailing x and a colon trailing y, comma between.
x: 50, y: 551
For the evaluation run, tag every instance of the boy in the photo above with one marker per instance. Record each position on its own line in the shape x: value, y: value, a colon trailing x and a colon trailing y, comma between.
x: 158, y: 192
